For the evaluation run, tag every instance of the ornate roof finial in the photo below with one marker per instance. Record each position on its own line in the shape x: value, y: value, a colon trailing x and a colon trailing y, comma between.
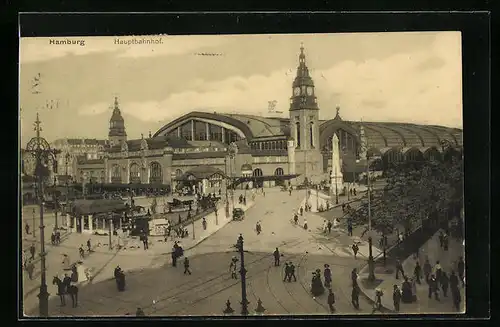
x: 116, y: 102
x: 142, y: 136
x: 337, y: 116
x: 302, y: 56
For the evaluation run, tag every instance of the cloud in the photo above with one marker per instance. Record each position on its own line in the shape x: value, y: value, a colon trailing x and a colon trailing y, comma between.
x: 43, y: 49
x: 394, y: 88
x: 94, y: 109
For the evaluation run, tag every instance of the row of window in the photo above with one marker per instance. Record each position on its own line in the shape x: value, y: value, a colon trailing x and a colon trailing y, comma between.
x: 268, y: 159
x: 269, y: 145
x: 200, y: 131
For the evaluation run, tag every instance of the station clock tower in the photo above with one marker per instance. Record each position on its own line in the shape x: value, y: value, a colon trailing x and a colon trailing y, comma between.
x: 304, y: 124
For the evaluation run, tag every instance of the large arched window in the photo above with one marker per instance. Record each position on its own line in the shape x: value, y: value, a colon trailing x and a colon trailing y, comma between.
x: 186, y: 131
x: 200, y: 131
x: 155, y: 175
x: 279, y: 172
x: 215, y: 133
x: 297, y: 129
x: 257, y: 172
x: 311, y: 134
x: 135, y: 175
x: 413, y: 155
x: 116, y: 174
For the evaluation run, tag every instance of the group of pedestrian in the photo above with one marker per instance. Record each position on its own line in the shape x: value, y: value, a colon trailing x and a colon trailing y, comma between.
x: 437, y: 280
x: 289, y: 272
x: 327, y: 226
x: 177, y: 252
x: 242, y: 200
x: 55, y: 237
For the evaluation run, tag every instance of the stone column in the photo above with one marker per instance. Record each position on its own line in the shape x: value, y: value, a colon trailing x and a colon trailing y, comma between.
x: 223, y: 130
x: 192, y: 130
x: 91, y: 224
x: 207, y: 129
x: 179, y: 132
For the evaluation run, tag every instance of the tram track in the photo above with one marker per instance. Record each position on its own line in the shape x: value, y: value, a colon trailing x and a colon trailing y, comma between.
x: 205, y: 282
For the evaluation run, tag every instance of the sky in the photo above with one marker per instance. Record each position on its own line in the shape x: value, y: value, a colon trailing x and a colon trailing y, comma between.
x: 399, y: 77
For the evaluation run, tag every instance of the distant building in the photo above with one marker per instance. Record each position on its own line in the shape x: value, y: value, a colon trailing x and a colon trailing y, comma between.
x: 77, y: 149
x: 199, y: 149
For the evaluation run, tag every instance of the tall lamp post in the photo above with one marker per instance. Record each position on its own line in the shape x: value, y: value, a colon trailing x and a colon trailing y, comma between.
x: 56, y: 225
x: 243, y: 273
x: 44, y: 156
x: 371, y: 262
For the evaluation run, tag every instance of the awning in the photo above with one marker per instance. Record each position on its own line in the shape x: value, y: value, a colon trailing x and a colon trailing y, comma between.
x: 88, y: 207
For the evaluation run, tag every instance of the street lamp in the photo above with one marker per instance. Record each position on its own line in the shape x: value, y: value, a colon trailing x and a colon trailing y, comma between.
x: 44, y: 155
x: 55, y: 204
x: 371, y: 263
x: 243, y: 272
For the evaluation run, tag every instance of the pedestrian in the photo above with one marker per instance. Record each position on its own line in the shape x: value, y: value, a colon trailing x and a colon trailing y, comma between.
x: 461, y: 270
x: 343, y: 207
x: 354, y: 277
x: 325, y: 226
x: 32, y: 251
x: 446, y: 241
x: 186, y: 266
x: 204, y: 223
x: 82, y: 252
x: 453, y: 281
x: 433, y: 287
x: 27, y: 228
x: 24, y: 258
x: 399, y: 268
x: 444, y: 283
x: 287, y: 272
x: 290, y: 191
x: 89, y: 246
x: 355, y: 297
x: 53, y: 238
x: 276, y: 255
x: 296, y: 219
x: 139, y: 313
x: 305, y: 224
x: 331, y: 301
x: 396, y: 297
x: 232, y: 268
x: 180, y: 219
x: 355, y: 249
x: 437, y: 271
x: 58, y: 237
x: 455, y: 293
x: 417, y: 272
x: 329, y: 226
x: 174, y: 257
x: 292, y: 272
x: 328, y: 276
x: 441, y: 239
x: 301, y: 210
x: 354, y: 190
x: 349, y: 228
x: 258, y: 228
x: 427, y: 270
x: 377, y: 306
x: 30, y: 267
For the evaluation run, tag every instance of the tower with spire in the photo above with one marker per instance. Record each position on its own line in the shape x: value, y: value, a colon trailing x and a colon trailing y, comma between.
x: 304, y: 123
x: 117, y: 134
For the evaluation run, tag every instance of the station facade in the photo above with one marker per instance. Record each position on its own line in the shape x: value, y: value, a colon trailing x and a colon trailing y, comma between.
x: 209, y: 147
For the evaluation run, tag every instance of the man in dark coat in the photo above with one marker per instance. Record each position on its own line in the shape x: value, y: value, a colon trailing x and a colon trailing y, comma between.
x: 67, y: 282
x: 433, y: 287
x: 174, y: 257
x: 441, y: 239
x: 417, y: 272
x: 329, y: 226
x: 328, y: 276
x: 453, y: 280
x: 27, y: 228
x: 292, y: 272
x: 186, y: 266
x: 354, y: 277
x: 276, y: 255
x: 30, y: 267
x: 427, y: 269
x: 287, y: 272
x: 396, y: 298
x: 455, y: 293
x: 331, y: 301
x: 444, y: 283
x: 355, y: 249
x: 355, y: 297
x: 32, y: 251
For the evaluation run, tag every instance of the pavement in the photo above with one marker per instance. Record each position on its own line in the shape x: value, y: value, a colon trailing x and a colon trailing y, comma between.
x: 166, y: 291
x: 102, y: 260
x: 432, y: 250
x: 163, y: 290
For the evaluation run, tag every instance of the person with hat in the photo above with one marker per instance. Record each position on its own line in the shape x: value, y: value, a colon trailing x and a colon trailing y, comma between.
x: 328, y: 276
x: 292, y: 272
x: 232, y: 268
